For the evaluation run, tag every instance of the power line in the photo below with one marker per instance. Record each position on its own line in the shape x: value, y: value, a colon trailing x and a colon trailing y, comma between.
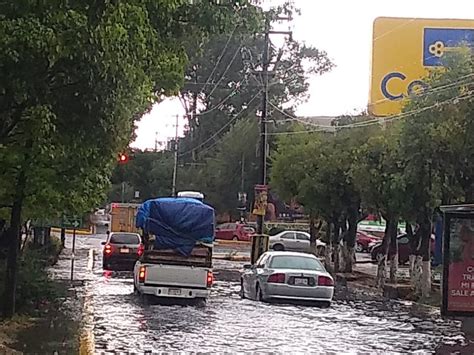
x: 379, y: 120
x: 220, y: 58
x: 223, y: 127
x: 226, y: 70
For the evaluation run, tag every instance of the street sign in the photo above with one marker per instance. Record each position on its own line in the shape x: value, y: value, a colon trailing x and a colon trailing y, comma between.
x: 403, y: 52
x: 458, y: 261
x: 72, y: 222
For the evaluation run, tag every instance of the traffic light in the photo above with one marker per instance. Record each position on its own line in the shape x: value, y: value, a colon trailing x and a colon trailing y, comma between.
x: 123, y: 158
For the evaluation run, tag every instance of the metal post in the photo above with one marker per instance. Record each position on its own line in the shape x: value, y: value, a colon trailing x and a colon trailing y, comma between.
x: 73, y: 250
x: 123, y: 191
x: 263, y: 118
x: 175, y: 168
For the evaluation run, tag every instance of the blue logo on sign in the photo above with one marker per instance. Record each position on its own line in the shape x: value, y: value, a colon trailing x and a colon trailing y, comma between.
x: 437, y: 42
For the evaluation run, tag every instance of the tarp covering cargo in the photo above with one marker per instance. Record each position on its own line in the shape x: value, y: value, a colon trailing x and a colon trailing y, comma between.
x: 177, y: 223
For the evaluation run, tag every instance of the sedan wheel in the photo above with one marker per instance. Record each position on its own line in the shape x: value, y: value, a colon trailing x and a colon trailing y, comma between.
x: 359, y: 248
x: 259, y: 294
x: 241, y: 292
x: 278, y: 247
x: 235, y: 238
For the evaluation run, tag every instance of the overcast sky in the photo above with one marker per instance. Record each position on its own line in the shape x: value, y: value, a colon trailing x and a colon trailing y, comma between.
x: 343, y: 28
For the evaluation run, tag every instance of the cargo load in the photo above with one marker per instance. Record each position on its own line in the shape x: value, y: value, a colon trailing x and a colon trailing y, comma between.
x: 177, y: 223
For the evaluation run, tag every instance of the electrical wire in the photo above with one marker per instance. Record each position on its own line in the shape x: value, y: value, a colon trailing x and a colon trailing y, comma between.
x: 379, y: 120
x: 227, y: 124
x: 219, y: 58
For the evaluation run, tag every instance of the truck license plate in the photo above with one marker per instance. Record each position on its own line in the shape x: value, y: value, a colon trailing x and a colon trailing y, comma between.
x: 125, y: 250
x: 301, y: 281
x: 174, y: 292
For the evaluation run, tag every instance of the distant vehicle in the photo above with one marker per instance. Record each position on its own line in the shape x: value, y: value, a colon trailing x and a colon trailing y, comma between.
x: 404, y: 249
x: 363, y: 240
x: 192, y: 194
x: 287, y: 276
x: 295, y: 241
x: 234, y: 231
x: 178, y: 264
x: 121, y: 251
x: 122, y: 217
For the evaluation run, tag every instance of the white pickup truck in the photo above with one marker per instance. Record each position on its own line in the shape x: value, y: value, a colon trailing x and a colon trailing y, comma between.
x: 166, y: 274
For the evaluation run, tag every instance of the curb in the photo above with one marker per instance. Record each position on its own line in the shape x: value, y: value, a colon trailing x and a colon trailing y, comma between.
x: 70, y: 231
x: 231, y: 242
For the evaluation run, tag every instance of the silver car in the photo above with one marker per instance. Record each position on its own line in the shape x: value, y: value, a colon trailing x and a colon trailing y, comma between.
x: 294, y: 241
x: 287, y: 276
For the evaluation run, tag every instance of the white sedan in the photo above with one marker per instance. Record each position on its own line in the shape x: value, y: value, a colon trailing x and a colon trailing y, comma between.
x: 294, y: 241
x: 287, y: 276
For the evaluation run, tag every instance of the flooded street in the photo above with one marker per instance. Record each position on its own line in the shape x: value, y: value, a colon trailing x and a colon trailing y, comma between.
x: 117, y: 321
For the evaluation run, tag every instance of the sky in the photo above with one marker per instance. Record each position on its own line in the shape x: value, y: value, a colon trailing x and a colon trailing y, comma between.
x: 342, y: 28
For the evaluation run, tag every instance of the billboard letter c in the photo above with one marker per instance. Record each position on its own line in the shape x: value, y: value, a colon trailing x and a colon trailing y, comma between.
x: 386, y: 79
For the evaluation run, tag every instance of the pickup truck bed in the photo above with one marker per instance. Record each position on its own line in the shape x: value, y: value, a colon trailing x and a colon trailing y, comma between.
x: 166, y: 274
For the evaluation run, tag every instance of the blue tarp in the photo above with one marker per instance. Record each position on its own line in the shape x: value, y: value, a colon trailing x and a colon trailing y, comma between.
x: 177, y: 223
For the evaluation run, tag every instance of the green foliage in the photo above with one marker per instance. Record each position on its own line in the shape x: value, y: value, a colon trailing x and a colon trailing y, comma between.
x: 379, y: 173
x: 34, y: 285
x: 149, y: 173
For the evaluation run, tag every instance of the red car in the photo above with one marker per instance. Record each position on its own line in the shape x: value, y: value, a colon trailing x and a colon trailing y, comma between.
x: 404, y: 249
x: 234, y: 231
x: 363, y: 240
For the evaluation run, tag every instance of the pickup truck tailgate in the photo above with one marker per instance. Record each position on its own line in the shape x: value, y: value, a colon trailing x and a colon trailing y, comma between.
x: 174, y: 275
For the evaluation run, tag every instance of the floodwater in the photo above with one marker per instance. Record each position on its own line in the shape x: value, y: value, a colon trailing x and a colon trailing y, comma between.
x: 117, y: 321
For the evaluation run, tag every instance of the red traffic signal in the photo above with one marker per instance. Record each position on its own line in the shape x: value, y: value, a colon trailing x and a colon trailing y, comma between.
x: 123, y: 158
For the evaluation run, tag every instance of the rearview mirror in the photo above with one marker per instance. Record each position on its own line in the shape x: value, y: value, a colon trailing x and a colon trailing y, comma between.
x: 248, y: 266
x: 103, y: 243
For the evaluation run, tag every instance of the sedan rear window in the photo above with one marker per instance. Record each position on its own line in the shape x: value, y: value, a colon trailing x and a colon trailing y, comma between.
x: 296, y: 262
x: 125, y: 239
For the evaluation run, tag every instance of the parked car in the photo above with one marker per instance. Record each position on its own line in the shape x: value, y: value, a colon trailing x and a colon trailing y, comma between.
x: 363, y: 240
x: 295, y: 241
x: 404, y: 249
x: 121, y: 251
x: 287, y: 276
x: 234, y: 231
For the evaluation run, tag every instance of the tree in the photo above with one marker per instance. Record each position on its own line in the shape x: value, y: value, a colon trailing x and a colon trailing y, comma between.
x: 74, y: 78
x: 436, y: 143
x: 379, y: 173
x: 221, y: 80
x: 149, y: 173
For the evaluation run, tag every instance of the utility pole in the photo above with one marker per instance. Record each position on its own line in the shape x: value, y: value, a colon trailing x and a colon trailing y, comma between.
x: 263, y: 117
x: 175, y: 168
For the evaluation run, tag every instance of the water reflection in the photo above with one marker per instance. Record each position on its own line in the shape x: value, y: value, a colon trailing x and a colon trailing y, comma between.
x: 122, y: 322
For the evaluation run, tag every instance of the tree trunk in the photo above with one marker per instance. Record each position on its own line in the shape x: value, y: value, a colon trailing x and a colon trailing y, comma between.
x: 413, y: 247
x: 350, y: 237
x: 328, y: 252
x: 425, y: 233
x: 12, y: 259
x: 393, y: 248
x: 382, y: 258
x: 312, y: 233
x: 336, y: 245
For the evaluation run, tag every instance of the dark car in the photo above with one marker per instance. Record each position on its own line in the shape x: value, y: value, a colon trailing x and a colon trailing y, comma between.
x: 363, y: 240
x: 121, y: 251
x: 234, y: 231
x: 404, y: 249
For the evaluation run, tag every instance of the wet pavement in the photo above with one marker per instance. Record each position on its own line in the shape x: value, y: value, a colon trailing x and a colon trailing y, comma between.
x: 116, y: 321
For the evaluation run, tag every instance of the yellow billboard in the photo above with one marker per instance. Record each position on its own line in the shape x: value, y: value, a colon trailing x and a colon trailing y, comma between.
x: 403, y: 51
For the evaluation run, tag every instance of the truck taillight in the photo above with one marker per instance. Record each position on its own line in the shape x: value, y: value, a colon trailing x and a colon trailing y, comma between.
x: 141, y: 249
x: 210, y: 278
x: 108, y: 249
x: 142, y: 274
